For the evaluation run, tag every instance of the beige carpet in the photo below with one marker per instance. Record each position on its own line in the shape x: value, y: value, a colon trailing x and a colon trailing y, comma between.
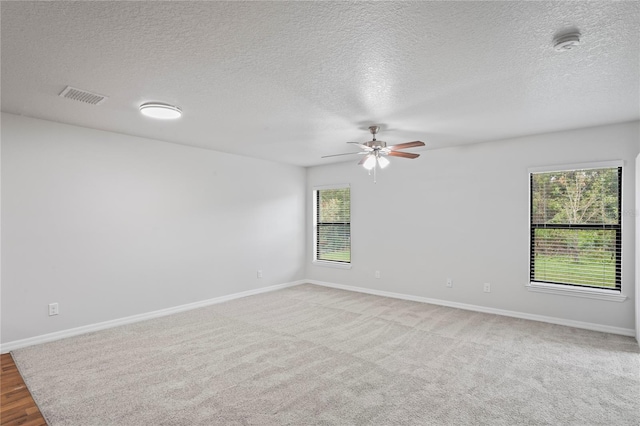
x: 314, y: 355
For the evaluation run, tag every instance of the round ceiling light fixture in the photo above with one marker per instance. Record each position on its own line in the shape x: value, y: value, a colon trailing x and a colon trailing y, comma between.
x: 160, y: 110
x: 566, y: 41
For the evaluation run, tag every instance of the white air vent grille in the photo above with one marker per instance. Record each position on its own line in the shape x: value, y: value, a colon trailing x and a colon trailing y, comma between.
x: 82, y: 96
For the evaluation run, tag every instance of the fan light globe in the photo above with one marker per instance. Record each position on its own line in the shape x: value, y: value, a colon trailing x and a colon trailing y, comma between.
x: 369, y: 163
x: 383, y: 162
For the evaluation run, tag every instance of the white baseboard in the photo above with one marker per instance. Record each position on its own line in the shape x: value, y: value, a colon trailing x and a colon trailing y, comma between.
x: 50, y: 337
x: 17, y: 344
x: 553, y: 320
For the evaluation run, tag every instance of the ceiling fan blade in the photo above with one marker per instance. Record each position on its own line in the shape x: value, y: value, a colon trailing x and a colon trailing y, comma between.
x: 403, y: 154
x: 361, y: 145
x: 346, y: 153
x: 405, y: 145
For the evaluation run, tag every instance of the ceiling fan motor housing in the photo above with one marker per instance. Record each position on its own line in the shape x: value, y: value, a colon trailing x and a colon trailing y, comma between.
x: 375, y: 144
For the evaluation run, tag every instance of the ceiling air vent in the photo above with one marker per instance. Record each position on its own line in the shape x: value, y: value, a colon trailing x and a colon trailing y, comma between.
x: 82, y: 96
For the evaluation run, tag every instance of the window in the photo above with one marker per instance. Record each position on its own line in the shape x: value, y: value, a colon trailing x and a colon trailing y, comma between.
x: 576, y: 236
x: 332, y: 220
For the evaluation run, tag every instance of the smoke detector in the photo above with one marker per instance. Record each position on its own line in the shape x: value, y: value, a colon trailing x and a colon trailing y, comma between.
x: 566, y: 41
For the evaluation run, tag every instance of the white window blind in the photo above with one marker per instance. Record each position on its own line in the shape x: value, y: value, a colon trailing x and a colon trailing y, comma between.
x: 333, y: 225
x: 576, y: 236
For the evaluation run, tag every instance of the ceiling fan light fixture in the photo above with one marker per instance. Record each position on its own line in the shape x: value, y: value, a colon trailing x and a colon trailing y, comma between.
x: 370, y: 162
x: 374, y: 152
x: 160, y: 110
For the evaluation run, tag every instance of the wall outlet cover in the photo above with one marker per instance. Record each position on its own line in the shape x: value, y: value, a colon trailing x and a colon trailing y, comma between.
x: 53, y: 309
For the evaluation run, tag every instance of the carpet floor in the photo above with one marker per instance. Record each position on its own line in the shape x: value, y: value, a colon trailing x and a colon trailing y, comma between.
x: 310, y: 355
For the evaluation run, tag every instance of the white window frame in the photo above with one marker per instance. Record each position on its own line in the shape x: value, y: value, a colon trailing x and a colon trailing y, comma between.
x: 327, y: 263
x: 568, y: 290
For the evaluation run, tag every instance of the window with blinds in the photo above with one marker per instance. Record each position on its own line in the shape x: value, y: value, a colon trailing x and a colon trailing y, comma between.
x: 333, y: 224
x: 576, y: 236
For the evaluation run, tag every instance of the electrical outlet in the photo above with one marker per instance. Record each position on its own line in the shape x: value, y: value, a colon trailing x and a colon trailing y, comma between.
x: 53, y: 309
x: 259, y: 273
x: 487, y: 287
x: 449, y: 282
x: 377, y: 274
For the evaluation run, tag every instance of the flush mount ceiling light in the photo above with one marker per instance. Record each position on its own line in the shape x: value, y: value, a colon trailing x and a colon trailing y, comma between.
x: 160, y: 110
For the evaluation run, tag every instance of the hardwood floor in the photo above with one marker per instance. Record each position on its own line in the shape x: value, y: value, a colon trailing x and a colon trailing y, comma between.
x: 16, y: 404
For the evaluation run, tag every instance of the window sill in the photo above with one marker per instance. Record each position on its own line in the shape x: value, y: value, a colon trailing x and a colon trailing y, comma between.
x: 329, y: 264
x: 590, y: 293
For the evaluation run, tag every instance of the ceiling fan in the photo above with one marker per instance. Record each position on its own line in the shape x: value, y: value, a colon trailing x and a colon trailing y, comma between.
x: 375, y: 152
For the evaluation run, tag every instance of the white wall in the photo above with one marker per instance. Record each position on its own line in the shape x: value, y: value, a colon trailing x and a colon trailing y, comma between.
x: 637, y: 213
x: 109, y: 225
x: 462, y: 212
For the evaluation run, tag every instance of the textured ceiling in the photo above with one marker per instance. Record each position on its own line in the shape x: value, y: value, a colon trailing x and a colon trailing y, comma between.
x: 292, y: 81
